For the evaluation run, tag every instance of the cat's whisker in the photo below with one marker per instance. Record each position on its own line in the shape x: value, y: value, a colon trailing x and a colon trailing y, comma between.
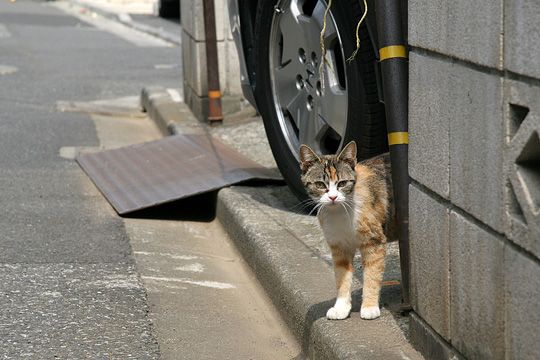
x: 346, y: 210
x: 303, y: 209
x: 352, y: 205
x: 303, y: 203
x: 321, y: 210
x: 347, y: 205
x: 344, y: 205
x: 316, y: 207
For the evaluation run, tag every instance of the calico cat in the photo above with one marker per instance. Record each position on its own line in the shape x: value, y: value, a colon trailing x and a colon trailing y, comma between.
x: 355, y: 210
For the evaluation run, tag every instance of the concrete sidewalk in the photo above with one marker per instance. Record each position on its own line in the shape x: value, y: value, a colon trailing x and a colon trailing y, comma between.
x: 287, y: 252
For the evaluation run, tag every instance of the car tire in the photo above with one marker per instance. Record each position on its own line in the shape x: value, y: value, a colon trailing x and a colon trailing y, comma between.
x: 365, y: 120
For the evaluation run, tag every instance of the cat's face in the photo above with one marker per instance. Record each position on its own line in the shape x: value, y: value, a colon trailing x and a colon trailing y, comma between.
x: 329, y: 179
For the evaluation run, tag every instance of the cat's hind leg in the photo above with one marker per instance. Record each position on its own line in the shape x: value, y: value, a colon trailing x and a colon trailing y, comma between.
x: 373, y: 252
x: 343, y: 269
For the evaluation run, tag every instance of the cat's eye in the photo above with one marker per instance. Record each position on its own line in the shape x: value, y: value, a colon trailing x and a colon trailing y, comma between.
x: 342, y: 183
x: 320, y: 185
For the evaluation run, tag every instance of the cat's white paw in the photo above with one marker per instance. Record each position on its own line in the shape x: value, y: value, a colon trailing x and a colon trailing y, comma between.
x: 369, y: 313
x: 338, y: 312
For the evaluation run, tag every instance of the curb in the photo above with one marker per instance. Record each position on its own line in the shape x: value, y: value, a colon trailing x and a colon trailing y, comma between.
x: 301, y: 285
x: 171, y: 117
x: 287, y: 254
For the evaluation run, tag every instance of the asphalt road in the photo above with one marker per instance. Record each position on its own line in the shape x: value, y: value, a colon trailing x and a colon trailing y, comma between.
x: 68, y: 284
x: 76, y: 280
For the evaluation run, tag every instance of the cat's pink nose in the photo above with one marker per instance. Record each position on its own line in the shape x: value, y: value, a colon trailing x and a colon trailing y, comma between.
x: 333, y: 198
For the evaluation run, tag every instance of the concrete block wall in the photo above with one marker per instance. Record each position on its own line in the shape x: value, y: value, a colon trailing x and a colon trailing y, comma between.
x: 194, y: 59
x: 474, y: 157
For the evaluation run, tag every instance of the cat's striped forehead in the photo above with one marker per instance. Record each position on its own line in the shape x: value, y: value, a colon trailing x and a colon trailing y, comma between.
x: 329, y: 169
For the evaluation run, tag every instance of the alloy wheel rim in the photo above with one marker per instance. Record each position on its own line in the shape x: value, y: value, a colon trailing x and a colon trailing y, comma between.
x: 307, y: 113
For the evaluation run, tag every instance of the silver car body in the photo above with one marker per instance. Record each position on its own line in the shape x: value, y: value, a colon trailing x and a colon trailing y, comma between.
x: 234, y: 18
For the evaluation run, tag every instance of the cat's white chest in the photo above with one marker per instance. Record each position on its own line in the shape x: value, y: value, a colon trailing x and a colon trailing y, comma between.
x: 337, y: 227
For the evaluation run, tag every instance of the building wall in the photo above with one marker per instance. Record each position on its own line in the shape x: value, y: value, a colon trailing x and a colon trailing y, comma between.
x: 194, y: 58
x: 474, y: 155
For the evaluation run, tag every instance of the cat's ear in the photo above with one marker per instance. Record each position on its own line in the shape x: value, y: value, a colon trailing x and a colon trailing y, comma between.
x: 348, y: 154
x: 307, y: 157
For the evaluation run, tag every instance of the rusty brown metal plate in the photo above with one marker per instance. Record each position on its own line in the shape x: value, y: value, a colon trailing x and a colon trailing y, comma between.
x: 144, y: 175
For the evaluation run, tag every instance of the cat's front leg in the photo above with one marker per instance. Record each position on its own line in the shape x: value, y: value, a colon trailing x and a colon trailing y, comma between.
x: 373, y: 252
x: 343, y: 269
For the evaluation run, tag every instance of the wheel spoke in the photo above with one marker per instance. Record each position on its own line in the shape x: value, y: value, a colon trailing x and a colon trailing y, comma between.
x: 296, y: 106
x: 311, y: 32
x: 285, y: 78
x: 291, y: 31
x: 334, y: 109
x: 312, y: 127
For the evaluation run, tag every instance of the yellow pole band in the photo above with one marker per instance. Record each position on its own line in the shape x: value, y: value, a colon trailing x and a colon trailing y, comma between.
x: 398, y: 138
x: 392, y: 51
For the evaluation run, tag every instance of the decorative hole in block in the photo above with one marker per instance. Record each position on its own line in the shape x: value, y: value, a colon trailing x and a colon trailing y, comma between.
x: 528, y: 171
x: 518, y: 113
x: 514, y: 208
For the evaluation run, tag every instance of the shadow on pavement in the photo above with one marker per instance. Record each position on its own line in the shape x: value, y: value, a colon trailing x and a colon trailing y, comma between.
x: 200, y: 208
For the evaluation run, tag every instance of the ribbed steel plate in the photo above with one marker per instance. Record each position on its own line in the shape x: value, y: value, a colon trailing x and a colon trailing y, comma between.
x: 153, y: 173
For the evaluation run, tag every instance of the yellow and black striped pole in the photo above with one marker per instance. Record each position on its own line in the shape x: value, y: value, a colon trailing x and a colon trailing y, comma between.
x: 395, y: 81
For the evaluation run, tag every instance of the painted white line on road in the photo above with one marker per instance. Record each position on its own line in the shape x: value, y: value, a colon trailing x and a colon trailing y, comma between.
x: 135, y: 37
x: 6, y: 69
x: 71, y: 152
x: 204, y: 283
x: 172, y: 256
x: 4, y: 32
x: 124, y: 17
x: 117, y: 281
x: 165, y: 66
x: 191, y: 268
x: 175, y: 95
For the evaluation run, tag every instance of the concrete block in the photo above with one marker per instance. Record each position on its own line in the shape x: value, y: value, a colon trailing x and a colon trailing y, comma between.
x: 429, y: 122
x: 227, y: 24
x: 197, y: 104
x: 522, y: 165
x: 522, y: 36
x: 195, y: 67
x: 192, y: 13
x: 428, y: 342
x: 469, y: 30
x: 516, y: 227
x: 476, y: 288
x: 186, y: 16
x: 430, y: 268
x: 521, y: 313
x: 198, y: 67
x: 187, y: 64
x: 192, y: 18
x: 234, y: 85
x: 194, y: 58
x: 522, y: 109
x: 222, y: 19
x: 476, y: 142
x: 224, y: 75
